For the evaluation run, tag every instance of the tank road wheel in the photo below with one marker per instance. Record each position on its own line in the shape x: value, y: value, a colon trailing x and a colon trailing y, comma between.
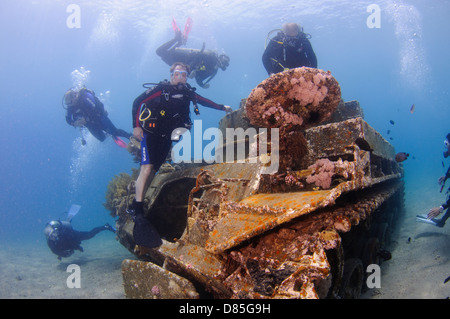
x: 352, y: 279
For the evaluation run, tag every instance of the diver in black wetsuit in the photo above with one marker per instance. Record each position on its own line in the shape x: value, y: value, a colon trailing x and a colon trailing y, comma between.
x: 63, y: 240
x: 85, y: 109
x: 289, y: 49
x: 436, y: 211
x: 204, y: 64
x: 156, y: 113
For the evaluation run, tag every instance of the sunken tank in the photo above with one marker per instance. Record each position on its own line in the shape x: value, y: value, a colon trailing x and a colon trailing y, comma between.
x: 311, y: 203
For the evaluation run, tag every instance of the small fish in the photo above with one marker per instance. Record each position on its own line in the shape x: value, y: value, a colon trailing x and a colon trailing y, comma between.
x: 443, y: 164
x: 388, y: 132
x: 409, y: 240
x: 413, y: 107
x: 391, y: 138
x: 392, y: 122
x: 447, y: 279
x: 401, y: 156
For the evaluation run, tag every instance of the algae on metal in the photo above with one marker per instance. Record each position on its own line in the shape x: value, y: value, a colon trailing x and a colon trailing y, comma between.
x: 118, y: 187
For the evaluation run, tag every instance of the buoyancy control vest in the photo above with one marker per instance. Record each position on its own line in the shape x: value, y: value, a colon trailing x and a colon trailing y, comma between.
x: 166, y: 107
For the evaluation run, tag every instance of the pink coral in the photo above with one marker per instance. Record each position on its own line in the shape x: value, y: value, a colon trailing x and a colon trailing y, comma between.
x: 281, y: 116
x: 323, y: 171
x: 290, y: 180
x: 155, y: 290
x: 298, y: 97
x: 310, y: 92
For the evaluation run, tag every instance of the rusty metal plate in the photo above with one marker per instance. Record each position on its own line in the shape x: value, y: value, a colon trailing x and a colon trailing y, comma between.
x: 261, y: 212
x: 334, y: 139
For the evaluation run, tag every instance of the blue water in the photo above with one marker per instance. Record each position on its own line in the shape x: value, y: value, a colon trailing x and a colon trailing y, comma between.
x: 44, y: 169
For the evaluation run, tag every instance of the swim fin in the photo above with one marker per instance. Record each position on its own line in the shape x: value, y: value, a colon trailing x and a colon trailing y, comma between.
x: 144, y: 233
x: 187, y: 29
x: 424, y: 219
x: 175, y: 26
x: 119, y: 142
x: 74, y: 209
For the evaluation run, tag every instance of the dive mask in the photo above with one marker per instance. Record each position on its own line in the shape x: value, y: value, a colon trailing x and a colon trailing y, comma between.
x: 446, y: 144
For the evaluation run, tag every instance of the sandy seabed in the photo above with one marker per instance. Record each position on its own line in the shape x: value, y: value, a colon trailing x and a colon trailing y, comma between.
x: 419, y: 266
x: 420, y: 254
x: 33, y: 271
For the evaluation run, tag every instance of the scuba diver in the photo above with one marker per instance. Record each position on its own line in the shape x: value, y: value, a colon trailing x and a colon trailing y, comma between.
x: 63, y: 240
x: 203, y: 63
x: 289, y: 49
x: 84, y: 109
x: 156, y: 114
x: 436, y: 211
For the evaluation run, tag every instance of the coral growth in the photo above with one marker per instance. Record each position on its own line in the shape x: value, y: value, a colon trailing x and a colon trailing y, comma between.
x: 293, y: 100
x: 309, y: 92
x: 278, y: 114
x: 324, y: 170
x: 281, y: 183
x: 117, y: 190
x: 301, y: 97
x: 155, y: 290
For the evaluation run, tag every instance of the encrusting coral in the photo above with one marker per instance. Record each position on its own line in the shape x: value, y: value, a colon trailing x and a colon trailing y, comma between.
x: 322, y: 175
x: 324, y: 170
x: 292, y: 101
x: 117, y: 190
x: 301, y: 97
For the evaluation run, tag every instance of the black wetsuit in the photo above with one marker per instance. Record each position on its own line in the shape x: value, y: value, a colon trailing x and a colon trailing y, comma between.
x: 282, y: 52
x: 63, y: 240
x: 89, y: 107
x: 443, y: 219
x: 445, y: 206
x: 166, y: 107
x: 203, y: 63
